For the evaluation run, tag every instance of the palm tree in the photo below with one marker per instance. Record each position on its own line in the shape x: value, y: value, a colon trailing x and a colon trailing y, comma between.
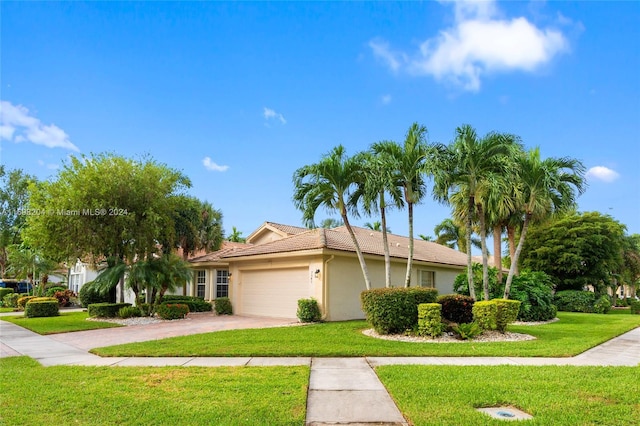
x: 548, y: 186
x: 410, y: 161
x: 331, y: 223
x: 470, y: 166
x: 236, y: 236
x: 380, y: 184
x: 451, y: 234
x: 330, y: 183
x: 425, y: 237
x: 27, y: 262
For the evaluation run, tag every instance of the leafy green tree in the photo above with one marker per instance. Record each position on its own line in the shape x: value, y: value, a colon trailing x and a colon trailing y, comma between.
x: 410, y: 161
x: 14, y: 198
x: 548, y: 187
x: 236, y: 236
x: 197, y: 225
x: 576, y: 250
x: 330, y: 184
x: 29, y: 263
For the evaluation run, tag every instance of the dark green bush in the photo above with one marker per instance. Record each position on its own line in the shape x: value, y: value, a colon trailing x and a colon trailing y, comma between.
x: 308, y: 310
x: 146, y: 309
x: 4, y: 292
x: 172, y: 311
x: 195, y: 304
x: 11, y: 300
x: 485, y: 314
x: 635, y: 307
x: 105, y: 310
x: 507, y: 312
x: 89, y: 296
x: 467, y: 331
x: 602, y: 305
x: 395, y: 310
x: 456, y: 307
x: 52, y: 290
x: 430, y: 319
x: 41, y: 308
x: 22, y: 301
x: 129, y: 312
x: 496, y: 289
x: 223, y: 306
x: 575, y: 300
x: 535, y: 291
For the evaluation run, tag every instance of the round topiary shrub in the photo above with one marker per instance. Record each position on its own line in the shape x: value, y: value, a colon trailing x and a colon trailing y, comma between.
x: 223, y: 306
x: 308, y: 310
x: 171, y: 311
x: 457, y: 308
x: 41, y: 308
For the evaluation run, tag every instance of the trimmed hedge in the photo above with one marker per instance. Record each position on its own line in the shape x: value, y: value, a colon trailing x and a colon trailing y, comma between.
x: 11, y: 300
x: 129, y: 312
x: 172, y: 311
x: 308, y: 310
x: 4, y: 291
x: 456, y: 308
x: 22, y: 301
x: 575, y: 300
x: 603, y: 305
x: 105, y: 310
x: 195, y: 304
x: 395, y: 310
x: 485, y: 314
x: 635, y: 307
x: 430, y: 319
x: 88, y: 296
x: 41, y: 308
x: 223, y: 306
x: 507, y: 312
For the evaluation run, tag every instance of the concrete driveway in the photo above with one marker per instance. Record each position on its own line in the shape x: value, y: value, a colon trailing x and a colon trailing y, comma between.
x: 195, y: 323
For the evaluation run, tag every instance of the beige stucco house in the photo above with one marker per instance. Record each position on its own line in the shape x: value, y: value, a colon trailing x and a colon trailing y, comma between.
x: 280, y: 264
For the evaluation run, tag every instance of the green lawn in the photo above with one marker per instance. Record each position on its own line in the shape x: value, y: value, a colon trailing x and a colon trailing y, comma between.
x: 64, y: 323
x: 573, y: 334
x: 63, y: 395
x: 448, y: 395
x: 3, y: 310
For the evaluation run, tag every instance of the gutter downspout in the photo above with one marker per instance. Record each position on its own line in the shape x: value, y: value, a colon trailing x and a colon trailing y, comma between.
x: 325, y: 287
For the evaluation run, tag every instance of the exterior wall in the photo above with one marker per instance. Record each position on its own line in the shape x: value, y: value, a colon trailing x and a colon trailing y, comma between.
x: 80, y: 274
x: 210, y: 282
x: 265, y: 237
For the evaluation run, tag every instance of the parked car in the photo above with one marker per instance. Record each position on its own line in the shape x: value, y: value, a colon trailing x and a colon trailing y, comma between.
x: 18, y: 286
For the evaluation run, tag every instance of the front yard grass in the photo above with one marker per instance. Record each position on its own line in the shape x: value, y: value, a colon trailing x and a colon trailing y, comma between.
x: 63, y: 395
x: 64, y: 323
x: 573, y: 334
x: 553, y: 395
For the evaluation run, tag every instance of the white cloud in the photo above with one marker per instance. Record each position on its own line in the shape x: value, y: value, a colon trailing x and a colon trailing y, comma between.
x: 270, y: 114
x: 602, y: 173
x: 479, y: 43
x: 17, y: 125
x: 210, y: 165
x: 386, y: 99
x: 49, y: 166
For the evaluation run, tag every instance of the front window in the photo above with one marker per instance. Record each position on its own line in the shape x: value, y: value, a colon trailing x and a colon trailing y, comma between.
x: 222, y: 283
x: 427, y: 279
x: 201, y: 281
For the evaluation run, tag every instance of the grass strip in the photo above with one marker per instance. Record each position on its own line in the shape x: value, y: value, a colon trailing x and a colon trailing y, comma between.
x: 553, y: 395
x: 63, y: 395
x: 573, y: 334
x: 64, y: 323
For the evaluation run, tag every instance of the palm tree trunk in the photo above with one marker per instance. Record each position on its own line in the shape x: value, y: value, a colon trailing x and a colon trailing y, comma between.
x: 514, y: 259
x: 485, y: 257
x: 407, y: 279
x: 472, y: 290
x: 511, y: 234
x: 497, y: 250
x: 363, y: 264
x: 387, y: 256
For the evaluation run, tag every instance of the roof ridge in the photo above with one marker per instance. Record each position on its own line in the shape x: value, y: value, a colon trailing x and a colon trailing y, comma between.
x: 323, y: 236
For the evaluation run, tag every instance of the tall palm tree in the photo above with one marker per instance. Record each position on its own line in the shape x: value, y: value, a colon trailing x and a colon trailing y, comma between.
x: 410, y: 161
x: 452, y: 234
x: 330, y: 223
x: 330, y: 183
x: 548, y: 186
x: 470, y: 166
x: 379, y: 191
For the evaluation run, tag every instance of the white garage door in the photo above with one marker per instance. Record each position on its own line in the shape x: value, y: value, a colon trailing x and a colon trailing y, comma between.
x: 274, y: 293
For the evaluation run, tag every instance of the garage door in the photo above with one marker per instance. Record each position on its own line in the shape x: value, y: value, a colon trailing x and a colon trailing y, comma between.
x: 274, y: 293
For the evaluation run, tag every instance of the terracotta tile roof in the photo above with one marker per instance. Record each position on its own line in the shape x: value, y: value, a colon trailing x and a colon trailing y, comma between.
x: 370, y: 243
x: 215, y: 256
x: 288, y: 229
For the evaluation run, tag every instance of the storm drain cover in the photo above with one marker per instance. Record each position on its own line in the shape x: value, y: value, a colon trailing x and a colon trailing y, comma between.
x: 505, y: 413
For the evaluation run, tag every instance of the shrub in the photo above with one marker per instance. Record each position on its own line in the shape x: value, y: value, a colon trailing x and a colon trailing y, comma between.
x: 105, y: 310
x: 485, y: 314
x: 64, y: 297
x: 41, y: 308
x: 467, y: 331
x: 129, y: 312
x: 11, y: 300
x: 4, y: 292
x: 395, y: 310
x: 146, y: 309
x: 535, y: 291
x: 171, y: 311
x: 52, y: 290
x: 456, y: 307
x: 603, y: 305
x: 223, y: 306
x: 496, y: 289
x: 635, y: 307
x: 195, y: 304
x: 89, y: 296
x: 575, y: 300
x: 22, y: 301
x: 308, y: 310
x: 430, y: 319
x: 506, y: 313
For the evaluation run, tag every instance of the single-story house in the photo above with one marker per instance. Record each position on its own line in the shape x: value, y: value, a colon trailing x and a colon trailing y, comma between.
x: 280, y: 264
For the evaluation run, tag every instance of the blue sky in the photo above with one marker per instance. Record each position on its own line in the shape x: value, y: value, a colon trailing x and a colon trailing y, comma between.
x: 239, y: 95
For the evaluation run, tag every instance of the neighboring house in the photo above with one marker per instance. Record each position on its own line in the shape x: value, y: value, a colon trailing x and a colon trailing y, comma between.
x: 281, y: 264
x: 79, y: 274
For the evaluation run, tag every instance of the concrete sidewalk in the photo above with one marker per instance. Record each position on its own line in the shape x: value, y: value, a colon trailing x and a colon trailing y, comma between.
x: 341, y: 390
